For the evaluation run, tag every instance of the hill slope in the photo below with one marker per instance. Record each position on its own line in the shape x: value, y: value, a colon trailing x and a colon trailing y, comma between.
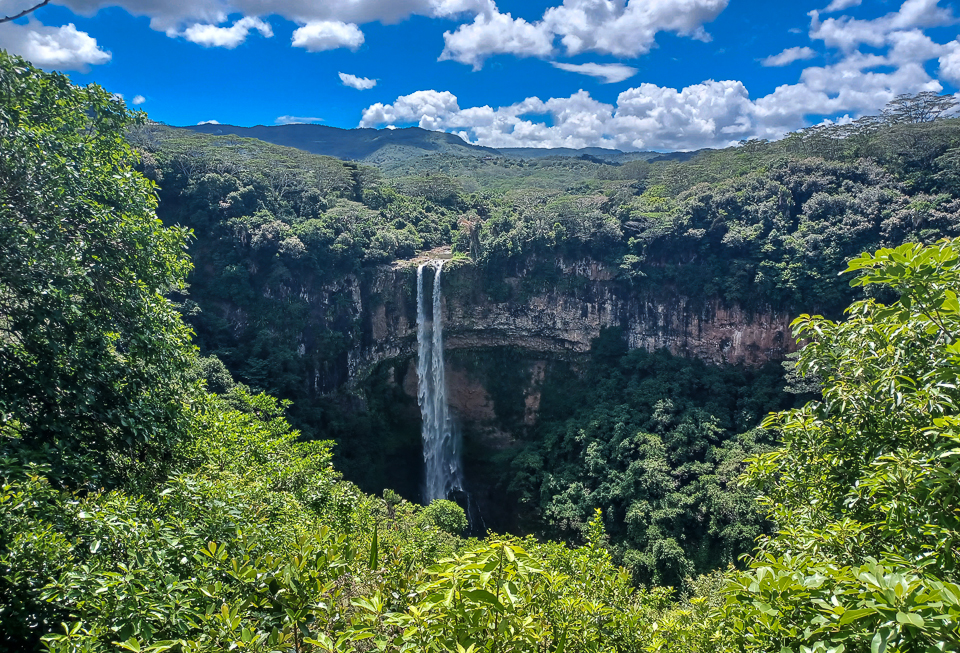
x: 355, y: 144
x: 389, y: 146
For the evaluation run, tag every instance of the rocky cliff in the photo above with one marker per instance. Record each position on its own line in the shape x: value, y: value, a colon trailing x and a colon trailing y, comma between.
x: 558, y: 313
x: 505, y: 336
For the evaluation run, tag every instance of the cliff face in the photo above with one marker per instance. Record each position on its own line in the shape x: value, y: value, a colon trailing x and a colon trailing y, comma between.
x: 558, y: 316
x: 504, y: 336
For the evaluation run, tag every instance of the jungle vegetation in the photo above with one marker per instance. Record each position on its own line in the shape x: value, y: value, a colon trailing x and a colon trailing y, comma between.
x: 153, y: 501
x: 765, y: 226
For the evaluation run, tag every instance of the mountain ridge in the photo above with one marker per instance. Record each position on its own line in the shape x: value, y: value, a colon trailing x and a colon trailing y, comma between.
x: 374, y: 145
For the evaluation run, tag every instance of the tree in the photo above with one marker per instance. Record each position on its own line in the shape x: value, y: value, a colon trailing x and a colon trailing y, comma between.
x: 93, y: 356
x: 446, y: 515
x: 925, y: 106
x: 864, y: 486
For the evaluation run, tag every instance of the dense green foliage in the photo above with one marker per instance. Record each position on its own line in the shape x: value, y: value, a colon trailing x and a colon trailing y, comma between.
x: 771, y: 236
x: 92, y: 353
x: 288, y: 241
x: 864, y: 487
x: 657, y: 442
x: 274, y: 227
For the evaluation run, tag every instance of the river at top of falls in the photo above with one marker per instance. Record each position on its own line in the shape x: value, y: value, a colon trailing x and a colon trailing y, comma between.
x: 441, y: 455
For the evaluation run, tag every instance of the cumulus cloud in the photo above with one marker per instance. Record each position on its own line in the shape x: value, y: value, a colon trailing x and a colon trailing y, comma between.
x: 297, y: 120
x: 172, y: 16
x: 840, y: 5
x: 212, y: 36
x: 646, y: 117
x: 139, y: 99
x: 429, y: 109
x: 863, y: 82
x: 950, y: 63
x: 847, y: 34
x: 788, y: 56
x: 323, y: 35
x: 496, y: 33
x: 628, y: 28
x: 618, y: 27
x: 610, y: 73
x: 209, y: 122
x: 359, y: 83
x: 64, y: 48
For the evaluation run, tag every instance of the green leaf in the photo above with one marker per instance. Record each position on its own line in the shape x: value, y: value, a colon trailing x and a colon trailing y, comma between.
x: 911, y: 618
x: 322, y: 640
x: 879, y: 642
x: 484, y: 597
x: 561, y: 642
x: 374, y: 562
x: 852, y: 615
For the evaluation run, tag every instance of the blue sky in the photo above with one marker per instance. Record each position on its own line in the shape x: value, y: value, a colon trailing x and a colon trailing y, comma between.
x: 643, y: 74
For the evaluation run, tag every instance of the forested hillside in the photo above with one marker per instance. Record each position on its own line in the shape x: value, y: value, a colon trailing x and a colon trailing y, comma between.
x: 155, y: 496
x: 764, y: 227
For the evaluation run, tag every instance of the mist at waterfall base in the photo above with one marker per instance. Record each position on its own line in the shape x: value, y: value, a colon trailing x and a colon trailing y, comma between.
x: 443, y: 470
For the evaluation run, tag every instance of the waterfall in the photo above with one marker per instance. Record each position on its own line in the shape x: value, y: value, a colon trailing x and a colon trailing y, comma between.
x: 441, y: 455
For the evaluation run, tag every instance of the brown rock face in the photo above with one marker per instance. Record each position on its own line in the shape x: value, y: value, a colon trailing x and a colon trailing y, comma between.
x: 504, y: 336
x: 559, y: 318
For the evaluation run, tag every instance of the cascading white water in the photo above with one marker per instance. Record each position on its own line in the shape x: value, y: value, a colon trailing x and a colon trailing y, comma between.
x: 441, y: 456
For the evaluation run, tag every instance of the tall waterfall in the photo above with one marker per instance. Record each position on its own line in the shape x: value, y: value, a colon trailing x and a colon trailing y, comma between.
x: 441, y: 455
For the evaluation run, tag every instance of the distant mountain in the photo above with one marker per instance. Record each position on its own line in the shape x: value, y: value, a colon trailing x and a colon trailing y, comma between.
x: 676, y: 156
x: 386, y: 146
x: 592, y: 153
x: 369, y: 145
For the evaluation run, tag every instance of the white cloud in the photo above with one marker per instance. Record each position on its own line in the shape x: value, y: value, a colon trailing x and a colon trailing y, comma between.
x: 628, y: 28
x: 429, y: 109
x: 172, y: 16
x: 618, y: 27
x: 840, y: 5
x: 327, y: 35
x: 712, y: 113
x: 64, y: 48
x: 788, y: 56
x: 209, y: 122
x: 950, y: 63
x: 610, y: 73
x: 847, y: 33
x: 297, y: 120
x: 863, y: 82
x: 138, y: 100
x: 496, y: 33
x: 359, y: 83
x: 211, y: 36
x: 646, y: 117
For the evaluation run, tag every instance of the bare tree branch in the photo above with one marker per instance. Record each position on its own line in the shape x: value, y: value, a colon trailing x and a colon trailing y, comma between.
x: 7, y: 19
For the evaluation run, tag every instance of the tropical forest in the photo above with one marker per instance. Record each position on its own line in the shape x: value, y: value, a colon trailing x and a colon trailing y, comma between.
x: 307, y: 389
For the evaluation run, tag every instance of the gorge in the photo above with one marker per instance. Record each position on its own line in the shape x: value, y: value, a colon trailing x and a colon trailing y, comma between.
x: 612, y: 334
x: 506, y: 339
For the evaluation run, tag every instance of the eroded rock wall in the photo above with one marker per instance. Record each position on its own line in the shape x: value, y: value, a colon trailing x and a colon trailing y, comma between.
x: 559, y: 318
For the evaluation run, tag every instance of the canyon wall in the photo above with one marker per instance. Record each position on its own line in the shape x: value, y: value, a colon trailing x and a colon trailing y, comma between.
x: 557, y: 318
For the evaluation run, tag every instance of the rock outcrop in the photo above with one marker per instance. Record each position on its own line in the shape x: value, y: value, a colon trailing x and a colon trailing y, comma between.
x: 560, y: 318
